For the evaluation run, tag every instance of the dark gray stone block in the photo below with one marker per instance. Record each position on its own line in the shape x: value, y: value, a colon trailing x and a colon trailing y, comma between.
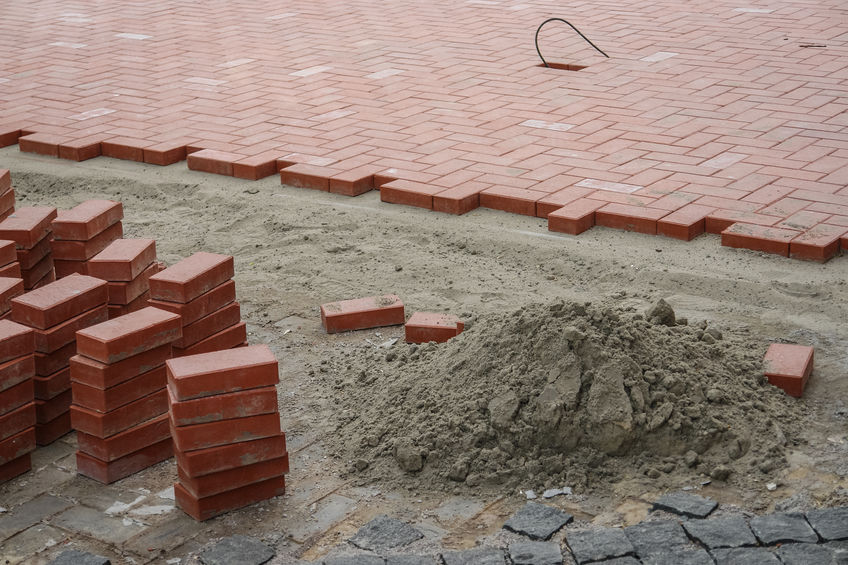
x: 411, y: 560
x: 385, y: 533
x: 74, y: 557
x: 535, y: 553
x: 656, y: 537
x: 362, y: 559
x: 686, y: 504
x: 745, y: 556
x: 830, y: 523
x: 805, y: 554
x: 237, y: 549
x: 679, y: 557
x: 721, y: 532
x: 599, y: 544
x: 619, y: 561
x: 537, y: 521
x: 783, y: 528
x: 840, y: 552
x: 476, y: 556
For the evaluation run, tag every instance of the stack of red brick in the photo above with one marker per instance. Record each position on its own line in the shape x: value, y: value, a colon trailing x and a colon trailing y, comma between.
x: 127, y: 264
x: 84, y: 231
x: 199, y: 289
x: 227, y: 439
x: 30, y: 228
x: 7, y: 194
x: 56, y: 311
x: 17, y: 406
x: 9, y: 265
x: 120, y: 402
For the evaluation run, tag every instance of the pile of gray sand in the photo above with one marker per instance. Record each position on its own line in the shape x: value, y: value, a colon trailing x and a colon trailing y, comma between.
x: 561, y: 394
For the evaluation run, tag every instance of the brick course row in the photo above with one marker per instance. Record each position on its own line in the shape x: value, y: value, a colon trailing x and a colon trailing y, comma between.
x: 17, y: 399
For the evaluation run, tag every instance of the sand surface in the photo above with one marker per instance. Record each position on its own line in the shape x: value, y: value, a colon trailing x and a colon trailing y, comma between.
x: 295, y: 249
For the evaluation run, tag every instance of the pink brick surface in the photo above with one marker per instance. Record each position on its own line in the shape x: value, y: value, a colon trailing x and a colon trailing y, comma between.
x: 84, y: 221
x: 738, y: 129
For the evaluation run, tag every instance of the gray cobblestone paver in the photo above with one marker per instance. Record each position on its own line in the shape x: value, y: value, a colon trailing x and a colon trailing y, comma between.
x: 685, y: 504
x: 537, y: 521
x: 384, y: 532
x: 783, y: 528
x: 598, y: 544
x: 830, y: 523
x: 721, y: 532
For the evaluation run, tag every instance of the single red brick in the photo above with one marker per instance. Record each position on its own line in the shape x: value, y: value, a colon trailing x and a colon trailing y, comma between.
x: 233, y: 456
x: 69, y: 250
x: 59, y: 301
x: 41, y: 273
x: 80, y: 149
x: 126, y: 148
x: 220, y: 372
x: 225, y: 406
x: 48, y: 363
x: 630, y: 218
x: 49, y: 387
x: 720, y: 220
x: 257, y: 167
x: 215, y: 322
x: 16, y: 396
x: 101, y: 400
x: 166, y: 153
x: 424, y: 327
x: 41, y: 143
x: 47, y: 433
x: 7, y: 204
x: 15, y: 468
x: 28, y: 225
x: 303, y: 175
x: 86, y: 220
x: 820, y: 243
x: 16, y: 371
x: 16, y: 340
x: 120, y: 419
x: 12, y: 271
x: 575, y: 217
x: 114, y: 340
x: 203, y: 305
x: 29, y: 258
x: 213, y: 161
x: 191, y: 277
x: 789, y: 367
x: 354, y: 181
x: 10, y: 288
x: 58, y: 336
x: 459, y: 199
x: 409, y: 193
x: 124, y: 443
x: 17, y: 446
x: 103, y: 376
x: 110, y: 471
x: 8, y: 254
x: 64, y: 268
x: 50, y: 409
x: 123, y: 293
x: 5, y: 180
x: 216, y: 483
x: 557, y: 200
x: 17, y: 420
x: 205, y: 508
x: 685, y: 223
x: 758, y: 238
x: 123, y: 259
x: 224, y: 432
x: 226, y: 339
x: 513, y: 200
x: 362, y: 313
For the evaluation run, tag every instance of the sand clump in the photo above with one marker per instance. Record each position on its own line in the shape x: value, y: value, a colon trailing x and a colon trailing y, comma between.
x: 561, y: 394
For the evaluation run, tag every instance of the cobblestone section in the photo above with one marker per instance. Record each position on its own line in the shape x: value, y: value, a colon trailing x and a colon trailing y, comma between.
x: 727, y: 119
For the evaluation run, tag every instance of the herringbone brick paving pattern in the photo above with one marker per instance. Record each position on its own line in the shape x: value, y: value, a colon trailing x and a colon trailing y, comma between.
x: 727, y: 116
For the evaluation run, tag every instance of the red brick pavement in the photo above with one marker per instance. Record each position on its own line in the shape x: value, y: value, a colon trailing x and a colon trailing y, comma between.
x: 705, y: 116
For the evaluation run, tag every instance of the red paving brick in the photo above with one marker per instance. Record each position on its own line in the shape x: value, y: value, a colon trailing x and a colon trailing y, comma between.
x: 789, y: 367
x: 716, y: 102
